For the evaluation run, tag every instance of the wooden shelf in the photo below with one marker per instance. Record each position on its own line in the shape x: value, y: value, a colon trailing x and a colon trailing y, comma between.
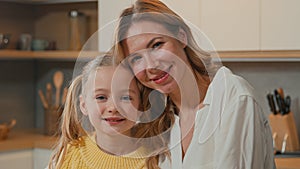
x: 260, y: 56
x: 49, y: 55
x: 48, y: 1
x: 226, y: 56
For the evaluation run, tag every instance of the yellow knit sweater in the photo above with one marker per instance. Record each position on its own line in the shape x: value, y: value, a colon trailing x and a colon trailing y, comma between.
x: 89, y: 156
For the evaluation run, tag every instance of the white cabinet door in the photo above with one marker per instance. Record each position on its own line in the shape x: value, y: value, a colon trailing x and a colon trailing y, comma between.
x: 280, y: 24
x: 41, y: 158
x: 231, y: 24
x: 188, y: 10
x: 108, y: 13
x: 16, y: 159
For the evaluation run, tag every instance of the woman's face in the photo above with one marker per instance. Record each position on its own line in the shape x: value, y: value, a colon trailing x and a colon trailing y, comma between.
x: 110, y: 110
x: 155, y: 55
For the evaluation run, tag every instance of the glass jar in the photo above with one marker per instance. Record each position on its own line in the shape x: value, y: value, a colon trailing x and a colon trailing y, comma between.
x: 78, y: 31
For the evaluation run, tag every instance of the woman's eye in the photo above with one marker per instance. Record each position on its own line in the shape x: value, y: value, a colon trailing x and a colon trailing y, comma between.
x: 134, y: 59
x: 126, y: 98
x: 101, y: 98
x: 157, y: 44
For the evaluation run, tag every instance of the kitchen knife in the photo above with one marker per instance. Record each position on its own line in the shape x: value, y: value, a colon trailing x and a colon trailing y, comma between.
x: 270, y: 98
x: 280, y: 102
x: 287, y: 102
x: 281, y: 93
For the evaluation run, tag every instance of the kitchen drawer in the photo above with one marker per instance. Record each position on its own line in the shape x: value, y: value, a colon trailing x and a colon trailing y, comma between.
x: 22, y: 159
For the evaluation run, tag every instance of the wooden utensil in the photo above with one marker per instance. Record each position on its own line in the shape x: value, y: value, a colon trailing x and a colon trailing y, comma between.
x: 49, y: 94
x: 58, y: 79
x: 43, y: 99
x: 64, y: 96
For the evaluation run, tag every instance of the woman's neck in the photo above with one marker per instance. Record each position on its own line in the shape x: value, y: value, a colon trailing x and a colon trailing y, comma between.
x: 190, y: 93
x: 118, y: 144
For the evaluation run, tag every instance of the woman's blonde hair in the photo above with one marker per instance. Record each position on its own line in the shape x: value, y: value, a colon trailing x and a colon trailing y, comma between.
x: 72, y: 130
x: 156, y: 11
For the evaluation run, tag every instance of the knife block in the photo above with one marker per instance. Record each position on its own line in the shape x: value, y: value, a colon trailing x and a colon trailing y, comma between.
x: 284, y: 128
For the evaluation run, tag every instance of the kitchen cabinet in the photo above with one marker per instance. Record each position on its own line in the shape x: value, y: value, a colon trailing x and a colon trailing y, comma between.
x: 41, y: 158
x: 251, y: 24
x: 231, y: 24
x: 30, y: 70
x: 280, y: 26
x: 45, y: 21
x: 25, y: 159
x: 22, y: 159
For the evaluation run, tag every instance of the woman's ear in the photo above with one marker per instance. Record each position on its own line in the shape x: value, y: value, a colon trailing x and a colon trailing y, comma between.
x: 83, y: 106
x: 182, y: 37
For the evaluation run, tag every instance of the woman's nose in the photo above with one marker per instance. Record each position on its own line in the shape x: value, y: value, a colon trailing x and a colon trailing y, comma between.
x: 152, y: 64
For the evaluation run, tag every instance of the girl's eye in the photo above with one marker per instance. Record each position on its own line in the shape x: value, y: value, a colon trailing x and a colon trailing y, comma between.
x: 157, y: 44
x: 126, y: 98
x: 101, y: 98
x: 134, y: 59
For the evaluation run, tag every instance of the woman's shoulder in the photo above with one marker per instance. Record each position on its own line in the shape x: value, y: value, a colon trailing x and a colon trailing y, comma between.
x: 233, y: 84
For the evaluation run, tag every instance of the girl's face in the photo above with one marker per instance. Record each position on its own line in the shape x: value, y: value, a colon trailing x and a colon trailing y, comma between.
x: 156, y: 57
x: 110, y: 110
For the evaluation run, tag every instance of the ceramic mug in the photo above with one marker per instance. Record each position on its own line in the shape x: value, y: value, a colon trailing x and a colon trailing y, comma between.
x: 39, y: 44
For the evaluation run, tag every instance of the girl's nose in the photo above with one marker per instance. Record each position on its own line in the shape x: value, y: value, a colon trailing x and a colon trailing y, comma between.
x: 110, y: 107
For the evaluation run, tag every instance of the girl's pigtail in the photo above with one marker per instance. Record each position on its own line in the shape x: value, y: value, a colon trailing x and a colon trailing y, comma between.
x: 71, y: 129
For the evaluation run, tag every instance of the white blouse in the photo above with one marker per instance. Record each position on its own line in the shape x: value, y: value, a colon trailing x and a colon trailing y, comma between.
x: 231, y: 130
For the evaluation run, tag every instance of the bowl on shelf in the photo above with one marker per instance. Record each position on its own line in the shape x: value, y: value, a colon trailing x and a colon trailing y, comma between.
x: 5, y: 128
x: 4, y: 40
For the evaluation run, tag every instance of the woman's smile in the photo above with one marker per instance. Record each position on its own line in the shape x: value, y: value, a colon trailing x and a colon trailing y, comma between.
x: 162, y: 76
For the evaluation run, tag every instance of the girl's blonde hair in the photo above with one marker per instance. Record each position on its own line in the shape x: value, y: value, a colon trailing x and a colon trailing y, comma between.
x: 71, y: 130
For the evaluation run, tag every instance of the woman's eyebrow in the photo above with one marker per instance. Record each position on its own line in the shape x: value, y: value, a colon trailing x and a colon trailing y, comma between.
x: 152, y: 40
x: 147, y: 46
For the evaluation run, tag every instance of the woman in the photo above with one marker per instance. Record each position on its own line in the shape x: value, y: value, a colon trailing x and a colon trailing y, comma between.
x: 219, y: 122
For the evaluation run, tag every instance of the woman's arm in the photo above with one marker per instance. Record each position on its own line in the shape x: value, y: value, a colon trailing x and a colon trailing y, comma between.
x: 244, y: 139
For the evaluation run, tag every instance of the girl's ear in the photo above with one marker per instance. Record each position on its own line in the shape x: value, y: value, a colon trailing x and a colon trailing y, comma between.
x: 182, y: 37
x: 83, y: 105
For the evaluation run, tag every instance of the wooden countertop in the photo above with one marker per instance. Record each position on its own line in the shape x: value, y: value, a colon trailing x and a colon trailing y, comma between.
x: 287, y: 163
x: 27, y: 139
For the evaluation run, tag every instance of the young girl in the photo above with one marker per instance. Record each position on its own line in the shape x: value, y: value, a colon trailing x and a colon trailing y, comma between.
x: 109, y: 139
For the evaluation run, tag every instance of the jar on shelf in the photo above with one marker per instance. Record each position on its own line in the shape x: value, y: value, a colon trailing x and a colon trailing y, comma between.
x: 78, y: 30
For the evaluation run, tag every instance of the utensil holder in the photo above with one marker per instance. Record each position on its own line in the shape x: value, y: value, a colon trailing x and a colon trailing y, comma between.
x: 52, y: 120
x: 284, y: 131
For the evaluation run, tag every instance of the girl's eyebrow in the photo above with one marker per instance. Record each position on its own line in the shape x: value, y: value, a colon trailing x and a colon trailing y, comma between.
x: 100, y: 90
x: 130, y: 90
